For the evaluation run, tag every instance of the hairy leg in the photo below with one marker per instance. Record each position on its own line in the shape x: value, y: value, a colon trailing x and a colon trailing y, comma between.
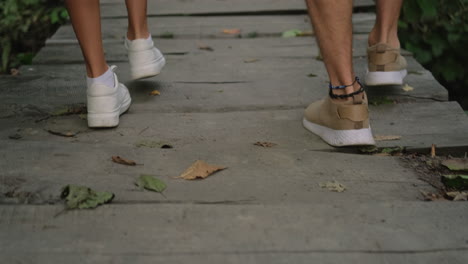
x: 386, y: 25
x: 86, y: 20
x: 332, y: 22
x: 137, y: 21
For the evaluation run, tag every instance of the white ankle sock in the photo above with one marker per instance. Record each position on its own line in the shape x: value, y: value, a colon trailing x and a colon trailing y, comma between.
x: 107, y: 79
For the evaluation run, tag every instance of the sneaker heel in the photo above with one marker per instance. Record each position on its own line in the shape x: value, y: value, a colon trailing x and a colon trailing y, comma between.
x: 103, y: 120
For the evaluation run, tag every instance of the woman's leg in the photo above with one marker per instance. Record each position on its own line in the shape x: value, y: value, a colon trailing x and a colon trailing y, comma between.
x: 137, y: 21
x: 144, y: 58
x: 107, y: 98
x: 86, y: 20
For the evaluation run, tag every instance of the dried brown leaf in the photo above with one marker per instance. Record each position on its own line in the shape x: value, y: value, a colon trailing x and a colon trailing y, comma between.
x: 200, y: 170
x: 123, y: 161
x: 202, y: 46
x: 407, y: 88
x: 232, y: 31
x: 456, y: 164
x: 14, y: 72
x: 155, y: 92
x: 63, y: 133
x: 250, y: 60
x: 433, y: 151
x: 386, y: 137
x: 458, y: 196
x: 432, y: 196
x: 265, y: 144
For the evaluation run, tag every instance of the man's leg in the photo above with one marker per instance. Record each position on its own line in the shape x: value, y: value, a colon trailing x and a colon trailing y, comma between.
x: 385, y: 64
x: 107, y: 98
x: 86, y: 20
x: 145, y: 59
x: 386, y: 25
x: 332, y: 22
x: 341, y: 119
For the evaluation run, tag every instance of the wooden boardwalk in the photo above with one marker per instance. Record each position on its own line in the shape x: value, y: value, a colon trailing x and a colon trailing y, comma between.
x: 267, y: 207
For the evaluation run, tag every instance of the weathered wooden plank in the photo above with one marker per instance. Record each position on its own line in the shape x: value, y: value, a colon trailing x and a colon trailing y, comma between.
x: 226, y: 139
x: 178, y: 233
x: 413, y: 120
x: 298, y: 170
x: 116, y: 8
x: 212, y: 27
x: 66, y: 52
x: 190, y: 82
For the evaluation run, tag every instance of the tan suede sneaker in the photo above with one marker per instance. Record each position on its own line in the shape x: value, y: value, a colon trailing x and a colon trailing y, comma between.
x: 386, y: 66
x: 340, y: 124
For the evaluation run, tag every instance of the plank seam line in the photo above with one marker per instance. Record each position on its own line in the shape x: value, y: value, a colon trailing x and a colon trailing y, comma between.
x: 326, y: 251
x: 261, y: 252
x: 365, y: 9
x: 422, y: 97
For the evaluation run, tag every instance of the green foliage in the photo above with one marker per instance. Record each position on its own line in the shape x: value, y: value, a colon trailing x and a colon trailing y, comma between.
x: 436, y: 31
x: 22, y: 23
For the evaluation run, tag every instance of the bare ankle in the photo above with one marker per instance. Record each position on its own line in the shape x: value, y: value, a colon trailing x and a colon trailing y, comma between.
x: 133, y: 34
x: 378, y: 36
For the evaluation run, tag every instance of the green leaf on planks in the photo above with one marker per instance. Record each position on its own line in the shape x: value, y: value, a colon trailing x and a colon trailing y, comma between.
x: 151, y: 183
x: 457, y: 182
x: 82, y: 197
x: 291, y: 33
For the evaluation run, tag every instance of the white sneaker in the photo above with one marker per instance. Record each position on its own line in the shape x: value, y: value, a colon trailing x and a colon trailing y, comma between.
x: 106, y: 104
x: 145, y: 59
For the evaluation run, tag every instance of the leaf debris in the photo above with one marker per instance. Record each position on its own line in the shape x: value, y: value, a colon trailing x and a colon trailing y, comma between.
x: 251, y: 60
x: 296, y: 33
x: 456, y: 164
x: 200, y: 170
x: 62, y: 133
x: 202, y: 46
x: 265, y: 144
x: 123, y: 161
x: 82, y: 197
x: 387, y: 137
x: 151, y: 183
x: 458, y: 196
x: 407, y: 88
x: 333, y: 186
x: 15, y: 136
x: 232, y: 31
x: 155, y: 93
x: 153, y: 144
x: 428, y: 196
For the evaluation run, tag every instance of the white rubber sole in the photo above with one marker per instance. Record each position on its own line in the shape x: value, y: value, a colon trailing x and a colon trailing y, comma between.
x: 341, y: 138
x: 106, y: 120
x: 148, y: 71
x: 385, y: 78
